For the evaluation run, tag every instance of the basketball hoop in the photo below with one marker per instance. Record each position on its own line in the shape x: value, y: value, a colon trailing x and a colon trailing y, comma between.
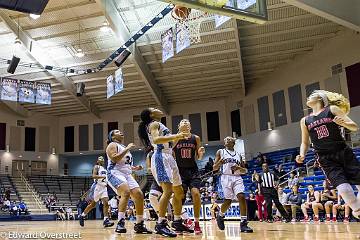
x: 187, y: 23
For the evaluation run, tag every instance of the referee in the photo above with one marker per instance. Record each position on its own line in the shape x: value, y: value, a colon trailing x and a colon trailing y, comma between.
x: 268, y: 183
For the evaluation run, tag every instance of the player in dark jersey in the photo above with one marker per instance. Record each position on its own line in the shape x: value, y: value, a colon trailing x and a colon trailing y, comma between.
x: 324, y: 127
x: 186, y: 152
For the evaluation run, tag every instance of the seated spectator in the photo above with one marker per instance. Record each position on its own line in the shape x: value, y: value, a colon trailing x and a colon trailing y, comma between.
x: 14, y: 209
x: 130, y: 215
x: 206, y: 197
x: 340, y: 205
x: 253, y: 176
x: 312, y: 201
x: 287, y: 158
x: 69, y: 213
x: 7, y: 193
x: 282, y: 199
x: 293, y: 180
x: 7, y: 205
x: 282, y: 173
x: 214, y: 209
x: 293, y: 202
x: 22, y: 208
x: 60, y: 213
x: 259, y: 159
x: 328, y: 198
x: 113, y: 203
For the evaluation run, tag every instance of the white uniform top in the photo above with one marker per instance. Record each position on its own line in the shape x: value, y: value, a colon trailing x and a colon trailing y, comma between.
x: 163, y: 131
x: 124, y: 165
x: 101, y: 172
x: 231, y: 158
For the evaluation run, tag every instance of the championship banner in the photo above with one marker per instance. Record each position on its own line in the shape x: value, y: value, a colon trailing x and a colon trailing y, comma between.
x: 119, y: 81
x: 182, y: 38
x: 26, y: 91
x: 43, y: 93
x: 167, y: 45
x: 110, y: 88
x: 205, y: 212
x: 9, y: 89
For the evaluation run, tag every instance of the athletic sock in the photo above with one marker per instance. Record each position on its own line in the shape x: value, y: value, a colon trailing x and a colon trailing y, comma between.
x: 328, y: 215
x: 106, y: 218
x: 177, y: 217
x: 221, y: 214
x: 83, y: 214
x: 161, y: 219
x: 139, y: 218
x: 121, y: 215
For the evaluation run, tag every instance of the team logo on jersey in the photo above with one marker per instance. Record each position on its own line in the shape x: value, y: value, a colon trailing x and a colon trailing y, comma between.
x: 232, y: 160
x: 322, y: 132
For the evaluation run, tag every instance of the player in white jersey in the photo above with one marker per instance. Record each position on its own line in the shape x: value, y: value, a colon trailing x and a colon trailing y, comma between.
x: 154, y: 134
x: 98, y: 191
x: 120, y: 167
x: 230, y: 164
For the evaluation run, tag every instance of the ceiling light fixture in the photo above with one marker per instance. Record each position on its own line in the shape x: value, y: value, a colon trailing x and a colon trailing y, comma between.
x: 79, y: 52
x: 34, y: 16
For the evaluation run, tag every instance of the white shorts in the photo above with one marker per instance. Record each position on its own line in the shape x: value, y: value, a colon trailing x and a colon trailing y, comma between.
x: 97, y: 192
x: 232, y: 185
x: 116, y: 178
x: 164, y: 168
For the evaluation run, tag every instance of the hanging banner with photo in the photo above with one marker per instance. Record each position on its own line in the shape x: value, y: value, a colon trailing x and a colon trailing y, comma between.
x: 43, y: 93
x: 220, y: 20
x: 9, y: 89
x: 182, y: 37
x: 119, y: 81
x: 26, y: 91
x: 167, y: 45
x: 110, y: 88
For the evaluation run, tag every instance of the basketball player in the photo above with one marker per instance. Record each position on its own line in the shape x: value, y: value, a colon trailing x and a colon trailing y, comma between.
x: 98, y: 191
x: 230, y: 164
x: 324, y: 128
x: 186, y: 152
x: 163, y: 167
x: 120, y: 179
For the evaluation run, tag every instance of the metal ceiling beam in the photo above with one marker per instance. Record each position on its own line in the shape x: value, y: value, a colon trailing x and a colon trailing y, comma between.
x: 345, y: 13
x: 122, y: 32
x: 36, y: 53
x: 238, y: 47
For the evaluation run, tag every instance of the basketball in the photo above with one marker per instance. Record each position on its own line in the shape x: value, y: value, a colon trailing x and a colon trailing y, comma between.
x: 180, y: 12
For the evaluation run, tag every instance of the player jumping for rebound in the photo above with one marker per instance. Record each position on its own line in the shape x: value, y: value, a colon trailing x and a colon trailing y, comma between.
x: 163, y: 167
x: 230, y: 164
x: 98, y: 191
x: 324, y: 127
x: 186, y: 152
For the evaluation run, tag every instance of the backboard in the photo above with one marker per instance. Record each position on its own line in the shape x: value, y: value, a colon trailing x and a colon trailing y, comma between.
x: 247, y: 10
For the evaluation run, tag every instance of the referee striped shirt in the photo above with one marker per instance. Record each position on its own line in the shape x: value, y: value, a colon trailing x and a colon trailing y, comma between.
x: 268, y: 180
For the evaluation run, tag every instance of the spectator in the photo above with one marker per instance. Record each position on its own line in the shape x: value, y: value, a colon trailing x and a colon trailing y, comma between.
x: 312, y: 201
x: 340, y: 205
x: 206, y: 197
x: 293, y: 202
x: 7, y: 204
x: 60, y: 213
x: 23, y: 208
x: 282, y: 173
x: 209, y: 165
x: 69, y: 213
x: 260, y: 200
x: 282, y: 199
x: 259, y: 160
x: 293, y: 180
x: 251, y: 206
x: 328, y: 197
x: 7, y: 193
x: 14, y: 209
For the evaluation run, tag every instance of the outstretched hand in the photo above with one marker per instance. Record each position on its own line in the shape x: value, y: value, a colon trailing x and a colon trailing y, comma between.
x: 300, y: 159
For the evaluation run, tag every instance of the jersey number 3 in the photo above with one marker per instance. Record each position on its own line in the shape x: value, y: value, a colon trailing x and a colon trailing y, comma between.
x: 322, y: 132
x: 186, y: 153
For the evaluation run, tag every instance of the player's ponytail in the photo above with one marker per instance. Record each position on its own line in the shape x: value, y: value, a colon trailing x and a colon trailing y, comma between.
x: 335, y: 99
x: 339, y: 100
x: 142, y: 130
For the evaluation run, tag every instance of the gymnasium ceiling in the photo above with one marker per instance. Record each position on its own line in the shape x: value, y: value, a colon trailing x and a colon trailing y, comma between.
x: 210, y: 69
